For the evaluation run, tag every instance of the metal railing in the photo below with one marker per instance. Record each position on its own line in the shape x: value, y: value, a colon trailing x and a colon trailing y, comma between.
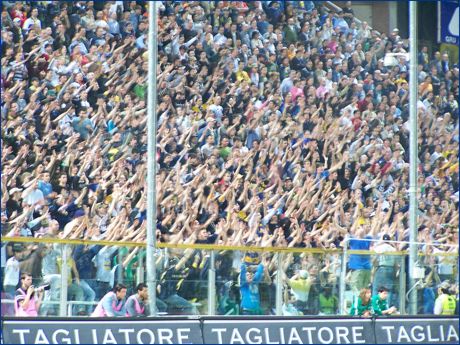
x: 213, y: 253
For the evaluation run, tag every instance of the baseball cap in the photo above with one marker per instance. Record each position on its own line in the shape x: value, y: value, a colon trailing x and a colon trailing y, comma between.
x: 386, y: 237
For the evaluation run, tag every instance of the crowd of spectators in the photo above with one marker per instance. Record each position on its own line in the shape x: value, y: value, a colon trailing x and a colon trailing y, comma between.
x: 279, y: 125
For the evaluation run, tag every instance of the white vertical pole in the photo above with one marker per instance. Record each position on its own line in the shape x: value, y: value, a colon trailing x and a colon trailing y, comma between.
x: 413, y: 160
x: 402, y: 285
x: 64, y: 281
x: 343, y: 274
x: 279, y: 285
x: 212, y: 284
x: 151, y: 156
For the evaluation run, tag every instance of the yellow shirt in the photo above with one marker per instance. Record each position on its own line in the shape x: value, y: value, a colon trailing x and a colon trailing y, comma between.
x: 242, y: 75
x: 300, y: 288
x: 70, y: 263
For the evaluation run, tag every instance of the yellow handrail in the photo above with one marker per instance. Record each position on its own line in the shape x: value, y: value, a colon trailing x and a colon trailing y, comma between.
x: 208, y: 247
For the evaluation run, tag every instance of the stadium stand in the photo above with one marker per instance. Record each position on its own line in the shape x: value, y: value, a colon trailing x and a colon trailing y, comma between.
x: 280, y: 125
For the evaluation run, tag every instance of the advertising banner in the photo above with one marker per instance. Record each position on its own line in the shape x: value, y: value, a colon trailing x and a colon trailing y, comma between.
x: 424, y: 331
x: 102, y: 332
x: 249, y: 330
x: 448, y: 23
x: 301, y: 331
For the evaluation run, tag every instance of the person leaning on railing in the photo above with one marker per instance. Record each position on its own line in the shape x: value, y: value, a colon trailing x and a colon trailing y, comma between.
x: 113, y: 303
x: 136, y: 304
x: 362, y: 305
x: 380, y: 303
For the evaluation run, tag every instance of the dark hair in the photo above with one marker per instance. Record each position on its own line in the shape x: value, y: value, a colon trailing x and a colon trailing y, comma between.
x: 24, y: 275
x: 141, y: 286
x: 445, y: 290
x: 382, y: 289
x: 119, y: 287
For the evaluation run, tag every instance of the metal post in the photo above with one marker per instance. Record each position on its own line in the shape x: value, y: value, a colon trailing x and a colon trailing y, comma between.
x: 343, y: 274
x: 120, y: 267
x: 402, y: 285
x: 140, y: 273
x: 279, y: 285
x: 151, y: 156
x: 64, y: 281
x: 413, y: 138
x: 212, y: 284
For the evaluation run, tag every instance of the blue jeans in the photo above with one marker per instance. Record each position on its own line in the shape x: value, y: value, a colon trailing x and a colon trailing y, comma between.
x: 88, y: 294
x: 10, y: 291
x: 101, y: 289
x: 75, y: 293
x: 51, y: 295
x: 180, y: 306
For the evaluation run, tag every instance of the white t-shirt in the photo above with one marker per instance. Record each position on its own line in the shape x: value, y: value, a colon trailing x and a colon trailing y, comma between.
x: 385, y: 260
x: 11, y: 272
x: 30, y: 21
x: 445, y: 263
x: 34, y: 197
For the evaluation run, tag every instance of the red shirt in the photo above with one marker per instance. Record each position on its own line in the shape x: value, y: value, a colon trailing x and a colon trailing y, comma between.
x: 18, y: 14
x: 362, y: 105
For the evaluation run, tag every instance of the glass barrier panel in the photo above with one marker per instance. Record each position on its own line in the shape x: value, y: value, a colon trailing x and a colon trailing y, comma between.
x: 227, y: 266
x: 358, y: 284
x: 91, y: 270
x: 183, y: 282
x: 246, y: 282
x: 437, y: 267
x: 369, y: 274
x: 385, y: 274
x: 311, y: 284
x: 19, y: 258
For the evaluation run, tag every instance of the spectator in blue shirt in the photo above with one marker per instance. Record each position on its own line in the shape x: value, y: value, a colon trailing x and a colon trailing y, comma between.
x: 44, y: 184
x: 274, y: 12
x: 360, y: 265
x: 340, y: 22
x: 249, y: 289
x: 83, y: 124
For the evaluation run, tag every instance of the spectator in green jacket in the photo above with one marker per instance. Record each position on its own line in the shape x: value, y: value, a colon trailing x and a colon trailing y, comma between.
x: 380, y: 303
x: 362, y: 306
x: 290, y: 32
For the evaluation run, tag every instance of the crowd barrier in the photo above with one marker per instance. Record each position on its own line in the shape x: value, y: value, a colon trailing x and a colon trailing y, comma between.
x: 215, y: 274
x: 236, y: 330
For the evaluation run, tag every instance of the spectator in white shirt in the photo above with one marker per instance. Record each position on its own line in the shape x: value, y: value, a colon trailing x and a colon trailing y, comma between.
x: 12, y: 270
x: 33, y: 21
